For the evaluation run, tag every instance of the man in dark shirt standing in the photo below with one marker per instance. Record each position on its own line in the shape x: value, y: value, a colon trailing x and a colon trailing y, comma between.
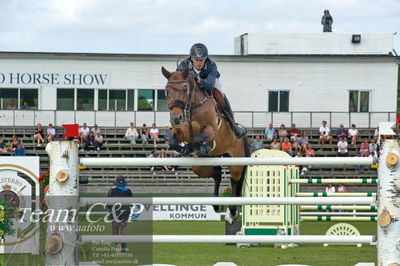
x: 119, y: 214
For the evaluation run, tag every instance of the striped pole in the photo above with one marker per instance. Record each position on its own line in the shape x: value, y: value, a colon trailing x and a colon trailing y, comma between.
x: 336, y: 218
x: 337, y: 207
x: 324, y: 194
x: 334, y: 181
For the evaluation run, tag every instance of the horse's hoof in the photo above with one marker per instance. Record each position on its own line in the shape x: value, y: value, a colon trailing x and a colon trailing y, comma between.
x: 235, y: 215
x: 218, y: 208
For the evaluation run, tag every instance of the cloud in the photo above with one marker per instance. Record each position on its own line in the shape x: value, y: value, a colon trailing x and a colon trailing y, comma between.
x: 160, y: 26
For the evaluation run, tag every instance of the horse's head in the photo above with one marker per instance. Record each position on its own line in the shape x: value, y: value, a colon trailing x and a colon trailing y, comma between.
x: 177, y: 91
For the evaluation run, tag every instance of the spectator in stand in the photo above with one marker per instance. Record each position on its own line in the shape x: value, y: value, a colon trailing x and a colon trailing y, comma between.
x: 257, y: 144
x: 3, y: 147
x: 269, y: 133
x: 341, y: 188
x: 275, y: 145
x: 296, y: 143
x: 163, y: 154
x: 51, y: 133
x: 324, y: 133
x: 303, y: 139
x: 294, y: 133
x: 144, y: 134
x: 154, y: 133
x: 96, y: 130
x: 131, y: 133
x: 12, y: 105
x: 342, y: 147
x: 13, y: 144
x: 308, y: 150
x: 286, y: 146
x: 152, y: 155
x: 341, y: 132
x: 83, y: 133
x: 38, y: 135
x: 175, y: 154
x: 25, y: 105
x: 282, y: 133
x: 98, y: 141
x: 353, y: 134
x: 373, y: 148
x: 89, y: 143
x: 364, y: 148
x: 19, y: 150
x: 330, y: 189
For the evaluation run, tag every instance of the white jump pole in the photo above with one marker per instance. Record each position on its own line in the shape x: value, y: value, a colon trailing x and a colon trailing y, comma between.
x: 334, y: 181
x: 136, y: 162
x: 389, y: 204
x: 338, y: 207
x: 61, y: 244
x: 228, y: 239
x: 228, y: 200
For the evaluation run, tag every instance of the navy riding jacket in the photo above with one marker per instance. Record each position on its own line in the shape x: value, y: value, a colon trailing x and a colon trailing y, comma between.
x: 208, y: 74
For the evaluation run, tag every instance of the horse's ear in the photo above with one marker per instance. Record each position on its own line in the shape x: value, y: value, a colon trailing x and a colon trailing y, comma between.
x: 185, y: 72
x: 165, y: 72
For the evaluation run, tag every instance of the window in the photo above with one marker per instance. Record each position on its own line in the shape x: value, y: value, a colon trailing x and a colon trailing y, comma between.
x: 85, y: 99
x: 102, y: 105
x: 117, y: 100
x: 65, y: 99
x: 28, y: 99
x: 359, y: 101
x: 9, y: 99
x: 146, y: 100
x: 278, y: 101
x: 162, y: 104
x: 131, y: 100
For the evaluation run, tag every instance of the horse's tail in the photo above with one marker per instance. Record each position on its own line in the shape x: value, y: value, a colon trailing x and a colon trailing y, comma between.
x: 247, y: 152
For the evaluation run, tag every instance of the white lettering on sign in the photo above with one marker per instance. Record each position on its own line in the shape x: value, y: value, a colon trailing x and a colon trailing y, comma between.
x: 68, y: 79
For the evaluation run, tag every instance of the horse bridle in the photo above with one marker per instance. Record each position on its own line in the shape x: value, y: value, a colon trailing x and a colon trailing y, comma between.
x: 187, y: 105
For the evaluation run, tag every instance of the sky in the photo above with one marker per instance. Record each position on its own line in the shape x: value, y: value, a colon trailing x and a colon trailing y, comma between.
x: 172, y: 26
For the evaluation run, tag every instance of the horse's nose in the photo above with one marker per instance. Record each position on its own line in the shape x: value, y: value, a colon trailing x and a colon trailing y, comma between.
x: 177, y: 119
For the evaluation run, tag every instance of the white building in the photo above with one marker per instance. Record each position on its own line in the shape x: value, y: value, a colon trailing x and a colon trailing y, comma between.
x: 302, y: 78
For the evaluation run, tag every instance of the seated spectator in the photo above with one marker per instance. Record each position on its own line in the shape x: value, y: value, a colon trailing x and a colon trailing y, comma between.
x: 294, y: 133
x: 175, y: 154
x: 269, y: 133
x: 296, y: 143
x: 373, y: 148
x: 38, y: 135
x: 96, y: 130
x: 275, y: 145
x: 154, y: 133
x: 342, y: 147
x: 330, y: 189
x: 152, y: 155
x: 353, y: 134
x: 89, y: 143
x: 83, y: 133
x: 19, y: 150
x: 257, y: 144
x: 98, y: 141
x: 308, y: 150
x: 324, y: 133
x: 341, y: 188
x: 12, y: 105
x: 144, y: 134
x: 286, y: 146
x: 282, y: 133
x: 25, y: 105
x: 163, y: 155
x: 51, y: 133
x: 13, y: 144
x: 131, y: 133
x: 303, y: 139
x: 364, y: 148
x: 3, y: 147
x: 341, y: 132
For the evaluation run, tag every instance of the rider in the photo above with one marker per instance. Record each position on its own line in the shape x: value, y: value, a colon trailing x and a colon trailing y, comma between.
x: 205, y: 72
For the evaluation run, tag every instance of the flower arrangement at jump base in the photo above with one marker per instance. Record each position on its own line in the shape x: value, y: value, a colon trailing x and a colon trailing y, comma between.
x: 6, y: 224
x: 227, y: 192
x: 44, y: 187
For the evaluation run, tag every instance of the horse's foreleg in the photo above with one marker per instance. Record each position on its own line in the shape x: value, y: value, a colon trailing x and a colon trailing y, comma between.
x: 199, y: 142
x: 237, y: 176
x: 183, y: 150
x: 214, y: 172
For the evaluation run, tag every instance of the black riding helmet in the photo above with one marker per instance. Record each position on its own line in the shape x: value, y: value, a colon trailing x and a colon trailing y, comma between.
x: 199, y: 51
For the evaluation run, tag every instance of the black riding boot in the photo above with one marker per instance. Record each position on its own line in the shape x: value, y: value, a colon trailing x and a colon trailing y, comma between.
x: 237, y: 130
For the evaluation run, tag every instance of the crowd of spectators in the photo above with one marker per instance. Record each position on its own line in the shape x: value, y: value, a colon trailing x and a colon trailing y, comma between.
x: 14, y: 147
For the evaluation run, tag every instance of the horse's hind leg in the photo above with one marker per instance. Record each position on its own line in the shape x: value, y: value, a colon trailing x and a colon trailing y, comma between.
x: 237, y: 176
x: 214, y: 172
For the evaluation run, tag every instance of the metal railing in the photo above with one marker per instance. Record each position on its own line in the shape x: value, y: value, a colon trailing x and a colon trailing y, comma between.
x: 253, y: 119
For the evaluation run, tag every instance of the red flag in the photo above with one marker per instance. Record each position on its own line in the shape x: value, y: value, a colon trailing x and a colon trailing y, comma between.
x: 71, y: 130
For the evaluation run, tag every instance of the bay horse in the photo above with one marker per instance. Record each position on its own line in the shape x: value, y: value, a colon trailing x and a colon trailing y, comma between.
x: 199, y: 128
